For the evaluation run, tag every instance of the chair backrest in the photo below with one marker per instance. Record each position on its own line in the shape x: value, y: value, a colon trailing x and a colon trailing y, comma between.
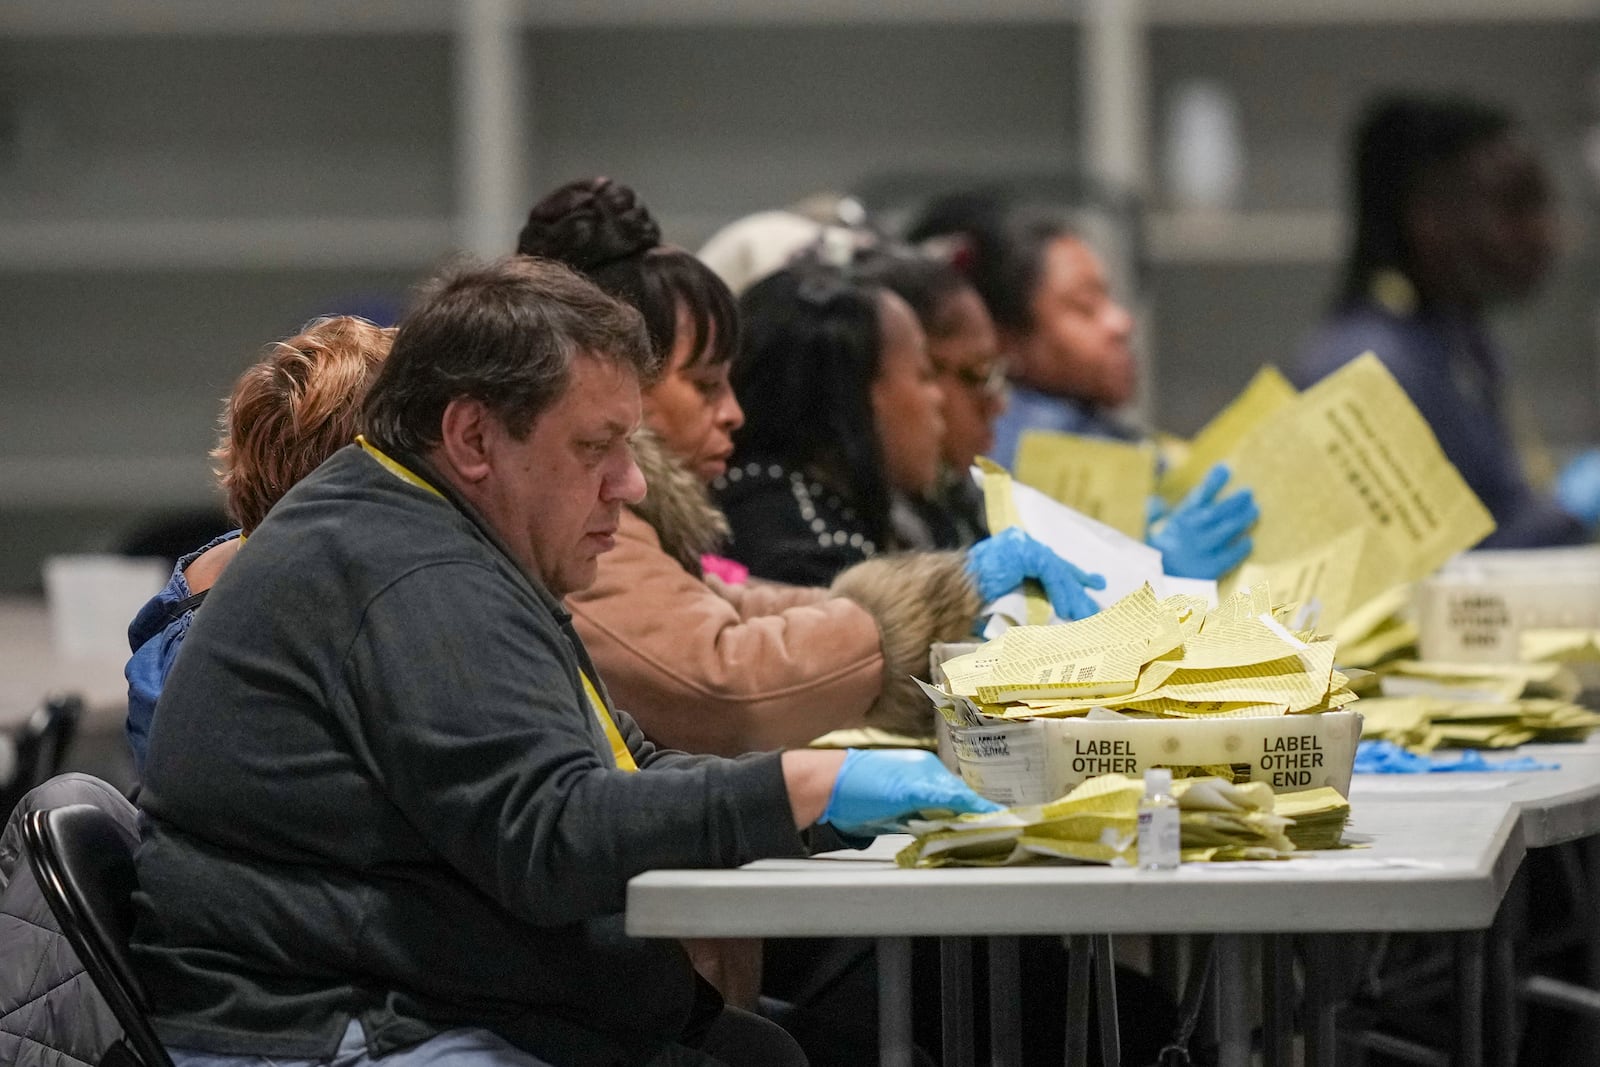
x: 41, y: 745
x: 85, y: 870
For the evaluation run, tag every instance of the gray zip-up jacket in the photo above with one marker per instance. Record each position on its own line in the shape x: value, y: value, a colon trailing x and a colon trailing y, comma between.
x: 376, y: 789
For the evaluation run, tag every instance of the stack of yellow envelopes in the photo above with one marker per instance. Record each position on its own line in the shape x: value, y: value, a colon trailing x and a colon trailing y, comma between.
x: 1560, y: 645
x: 1098, y: 823
x: 1150, y: 658
x: 1428, y: 705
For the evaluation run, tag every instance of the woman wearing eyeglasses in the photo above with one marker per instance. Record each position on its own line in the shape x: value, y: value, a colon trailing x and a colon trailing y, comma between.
x: 964, y: 350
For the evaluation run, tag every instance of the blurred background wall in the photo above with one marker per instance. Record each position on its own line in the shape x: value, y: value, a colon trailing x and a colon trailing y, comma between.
x: 182, y: 180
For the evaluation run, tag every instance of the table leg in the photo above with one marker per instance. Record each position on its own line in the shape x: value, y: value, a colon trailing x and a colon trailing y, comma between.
x: 1080, y: 948
x: 955, y: 985
x: 894, y: 1002
x: 1321, y: 1038
x: 1470, y: 961
x: 1233, y: 1002
x: 1166, y: 962
x: 1589, y: 856
x: 1005, y: 1002
x: 1277, y: 961
x: 1105, y: 998
x: 1501, y: 1015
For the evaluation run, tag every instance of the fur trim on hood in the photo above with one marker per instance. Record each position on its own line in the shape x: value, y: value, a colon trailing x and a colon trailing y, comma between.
x: 917, y: 598
x: 677, y: 506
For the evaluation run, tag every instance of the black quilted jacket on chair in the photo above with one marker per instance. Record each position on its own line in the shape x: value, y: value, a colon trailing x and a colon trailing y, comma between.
x: 50, y: 1013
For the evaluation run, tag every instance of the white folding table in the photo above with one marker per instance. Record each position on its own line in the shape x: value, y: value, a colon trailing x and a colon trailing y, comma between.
x: 1556, y: 807
x: 1431, y: 866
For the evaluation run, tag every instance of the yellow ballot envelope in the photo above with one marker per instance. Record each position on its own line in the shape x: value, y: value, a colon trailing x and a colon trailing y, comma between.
x: 1097, y: 822
x: 1109, y: 481
x: 1268, y: 393
x: 1356, y: 495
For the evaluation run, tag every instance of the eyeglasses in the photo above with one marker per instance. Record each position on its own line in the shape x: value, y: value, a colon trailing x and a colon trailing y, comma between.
x: 987, y: 378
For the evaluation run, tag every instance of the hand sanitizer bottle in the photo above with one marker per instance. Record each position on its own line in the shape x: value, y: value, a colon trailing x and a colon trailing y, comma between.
x: 1158, y: 822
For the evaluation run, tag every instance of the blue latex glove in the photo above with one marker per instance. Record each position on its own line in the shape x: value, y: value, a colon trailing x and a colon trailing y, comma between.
x: 1000, y: 563
x: 1205, y: 537
x: 877, y: 790
x: 1386, y: 757
x: 1578, y: 487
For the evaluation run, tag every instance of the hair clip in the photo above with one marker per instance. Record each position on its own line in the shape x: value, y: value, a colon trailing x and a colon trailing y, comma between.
x: 836, y: 247
x: 851, y: 213
x: 954, y: 249
x: 821, y: 286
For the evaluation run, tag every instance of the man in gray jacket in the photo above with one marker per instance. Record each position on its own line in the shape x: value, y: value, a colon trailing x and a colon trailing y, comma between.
x: 390, y: 810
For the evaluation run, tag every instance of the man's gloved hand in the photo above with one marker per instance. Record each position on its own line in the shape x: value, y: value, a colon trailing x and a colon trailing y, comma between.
x: 1000, y: 563
x: 1578, y: 487
x: 1205, y: 537
x: 877, y: 790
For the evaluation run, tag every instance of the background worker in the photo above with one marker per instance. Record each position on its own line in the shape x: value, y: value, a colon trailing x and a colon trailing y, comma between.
x: 965, y: 352
x: 842, y: 416
x: 1454, y: 217
x: 1067, y: 347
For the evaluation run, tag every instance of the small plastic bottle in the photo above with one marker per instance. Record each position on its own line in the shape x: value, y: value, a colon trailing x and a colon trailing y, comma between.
x: 1158, y: 822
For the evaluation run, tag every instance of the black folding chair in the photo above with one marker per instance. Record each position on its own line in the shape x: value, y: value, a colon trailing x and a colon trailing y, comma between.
x: 41, y: 744
x: 85, y: 870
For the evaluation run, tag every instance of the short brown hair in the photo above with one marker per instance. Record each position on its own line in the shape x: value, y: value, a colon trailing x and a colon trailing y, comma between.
x: 294, y: 408
x: 504, y: 333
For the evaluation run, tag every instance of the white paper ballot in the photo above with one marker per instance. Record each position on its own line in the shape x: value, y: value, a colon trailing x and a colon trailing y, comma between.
x: 1094, y: 547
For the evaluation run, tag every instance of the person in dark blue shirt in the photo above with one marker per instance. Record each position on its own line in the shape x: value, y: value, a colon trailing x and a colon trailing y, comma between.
x: 1067, y: 346
x: 1454, y: 216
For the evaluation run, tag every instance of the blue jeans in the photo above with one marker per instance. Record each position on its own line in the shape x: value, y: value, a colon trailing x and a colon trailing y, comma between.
x: 464, y: 1047
x: 735, y: 1039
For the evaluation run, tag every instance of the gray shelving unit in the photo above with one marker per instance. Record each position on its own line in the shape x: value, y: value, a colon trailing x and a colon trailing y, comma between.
x: 183, y: 179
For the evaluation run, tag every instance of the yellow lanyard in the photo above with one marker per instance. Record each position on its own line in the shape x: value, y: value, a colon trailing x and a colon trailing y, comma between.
x: 395, y: 467
x: 619, y: 747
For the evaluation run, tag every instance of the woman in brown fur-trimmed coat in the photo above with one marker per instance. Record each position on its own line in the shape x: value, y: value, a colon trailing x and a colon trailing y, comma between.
x: 709, y: 666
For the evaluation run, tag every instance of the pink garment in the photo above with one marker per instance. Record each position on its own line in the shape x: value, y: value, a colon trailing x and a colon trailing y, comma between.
x: 730, y: 571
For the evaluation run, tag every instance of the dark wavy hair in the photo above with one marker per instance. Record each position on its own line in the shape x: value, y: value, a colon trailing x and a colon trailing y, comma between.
x: 803, y: 374
x: 599, y: 228
x: 925, y: 283
x: 1000, y: 247
x: 1400, y: 142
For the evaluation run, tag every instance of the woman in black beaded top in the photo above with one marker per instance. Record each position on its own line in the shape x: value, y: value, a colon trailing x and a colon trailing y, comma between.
x: 843, y: 412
